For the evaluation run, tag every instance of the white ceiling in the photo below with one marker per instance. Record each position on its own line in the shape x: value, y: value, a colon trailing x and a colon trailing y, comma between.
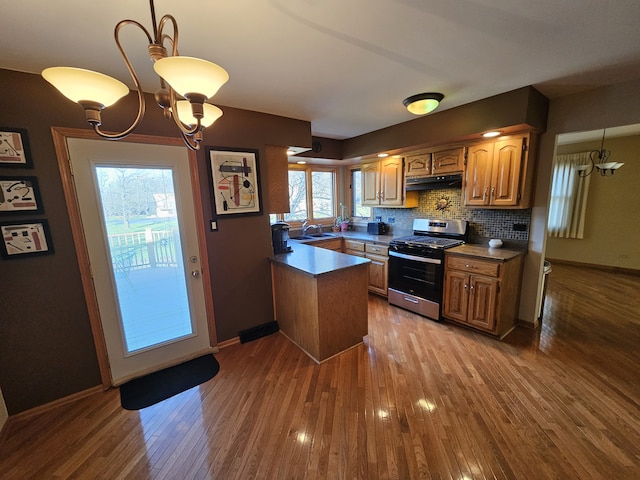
x: 345, y: 65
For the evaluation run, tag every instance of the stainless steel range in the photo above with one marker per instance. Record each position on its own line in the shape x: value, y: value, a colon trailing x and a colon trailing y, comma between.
x: 416, y: 264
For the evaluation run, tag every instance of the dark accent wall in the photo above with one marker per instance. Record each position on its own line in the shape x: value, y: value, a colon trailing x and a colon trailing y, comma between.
x: 46, y: 346
x: 521, y: 109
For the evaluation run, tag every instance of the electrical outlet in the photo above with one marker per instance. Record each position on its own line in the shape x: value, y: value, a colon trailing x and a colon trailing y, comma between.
x: 391, y: 220
x: 519, y: 227
x: 214, y: 226
x: 378, y: 218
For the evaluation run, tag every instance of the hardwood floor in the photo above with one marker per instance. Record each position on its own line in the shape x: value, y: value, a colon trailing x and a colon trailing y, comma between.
x: 420, y: 399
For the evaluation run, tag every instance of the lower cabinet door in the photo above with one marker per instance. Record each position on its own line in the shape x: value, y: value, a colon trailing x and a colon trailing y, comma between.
x: 378, y: 272
x: 483, y: 297
x: 456, y: 295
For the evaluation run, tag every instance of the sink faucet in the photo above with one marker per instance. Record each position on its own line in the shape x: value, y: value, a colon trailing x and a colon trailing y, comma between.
x: 306, y: 228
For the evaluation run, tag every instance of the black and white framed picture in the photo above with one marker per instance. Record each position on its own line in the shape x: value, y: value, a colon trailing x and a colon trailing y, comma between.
x: 20, y: 195
x: 25, y: 239
x: 235, y: 181
x: 14, y: 148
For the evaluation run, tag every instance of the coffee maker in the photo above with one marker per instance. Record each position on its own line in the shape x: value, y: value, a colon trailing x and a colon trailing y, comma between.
x: 279, y: 237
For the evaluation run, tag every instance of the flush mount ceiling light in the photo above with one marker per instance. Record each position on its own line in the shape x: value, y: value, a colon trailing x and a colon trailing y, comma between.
x: 181, y: 78
x: 423, y: 103
x: 599, y: 160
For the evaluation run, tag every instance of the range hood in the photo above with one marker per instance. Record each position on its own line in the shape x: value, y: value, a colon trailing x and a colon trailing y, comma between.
x: 433, y: 183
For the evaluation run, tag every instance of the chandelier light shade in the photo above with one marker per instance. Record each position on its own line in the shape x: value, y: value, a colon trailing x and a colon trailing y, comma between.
x: 211, y: 114
x: 599, y: 161
x: 423, y: 103
x: 188, y: 75
x: 180, y: 77
x: 80, y: 85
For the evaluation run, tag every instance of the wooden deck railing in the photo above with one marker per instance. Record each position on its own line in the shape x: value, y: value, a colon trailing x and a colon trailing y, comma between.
x: 148, y: 249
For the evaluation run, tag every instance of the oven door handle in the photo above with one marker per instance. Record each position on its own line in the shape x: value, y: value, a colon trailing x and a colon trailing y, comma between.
x: 404, y: 256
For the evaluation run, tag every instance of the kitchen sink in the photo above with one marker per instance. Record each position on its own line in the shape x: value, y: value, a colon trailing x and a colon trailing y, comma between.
x: 316, y: 235
x: 313, y: 236
x: 302, y: 237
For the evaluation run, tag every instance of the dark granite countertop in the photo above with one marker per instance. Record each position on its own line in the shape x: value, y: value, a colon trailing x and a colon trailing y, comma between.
x: 316, y: 261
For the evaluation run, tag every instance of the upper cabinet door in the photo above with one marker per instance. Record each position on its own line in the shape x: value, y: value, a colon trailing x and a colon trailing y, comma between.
x: 478, y: 177
x: 370, y: 184
x: 448, y: 161
x: 391, y: 181
x: 418, y: 165
x: 505, y: 176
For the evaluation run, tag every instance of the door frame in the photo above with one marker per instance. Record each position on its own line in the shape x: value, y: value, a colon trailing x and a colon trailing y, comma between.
x: 60, y: 135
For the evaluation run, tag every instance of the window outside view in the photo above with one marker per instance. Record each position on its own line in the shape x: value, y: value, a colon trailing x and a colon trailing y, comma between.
x: 320, y: 194
x: 356, y: 195
x: 141, y: 222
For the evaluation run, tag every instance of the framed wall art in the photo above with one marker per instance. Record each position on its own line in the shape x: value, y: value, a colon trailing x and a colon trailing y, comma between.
x: 14, y: 148
x: 20, y: 195
x: 25, y: 239
x: 235, y: 181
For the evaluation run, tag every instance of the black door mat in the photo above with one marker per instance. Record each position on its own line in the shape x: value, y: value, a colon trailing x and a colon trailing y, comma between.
x: 158, y: 386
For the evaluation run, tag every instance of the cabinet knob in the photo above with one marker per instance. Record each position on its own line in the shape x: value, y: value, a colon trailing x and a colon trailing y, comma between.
x: 486, y: 191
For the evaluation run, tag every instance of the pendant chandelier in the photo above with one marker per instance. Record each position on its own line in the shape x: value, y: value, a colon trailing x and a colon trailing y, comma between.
x: 599, y: 160
x: 186, y: 83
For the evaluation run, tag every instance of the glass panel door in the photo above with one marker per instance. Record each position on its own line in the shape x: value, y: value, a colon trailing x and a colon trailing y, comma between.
x: 139, y: 224
x: 142, y: 227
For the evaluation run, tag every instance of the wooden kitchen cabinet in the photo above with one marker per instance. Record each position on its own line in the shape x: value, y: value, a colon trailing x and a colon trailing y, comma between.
x: 418, y: 165
x: 483, y: 293
x: 277, y: 179
x: 383, y: 184
x: 334, y: 244
x: 448, y: 161
x: 500, y: 173
x: 379, y: 266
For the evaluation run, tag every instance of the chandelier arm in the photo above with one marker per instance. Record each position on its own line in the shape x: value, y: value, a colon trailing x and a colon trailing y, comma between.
x: 136, y: 81
x: 585, y: 173
x: 191, y: 141
x: 161, y: 37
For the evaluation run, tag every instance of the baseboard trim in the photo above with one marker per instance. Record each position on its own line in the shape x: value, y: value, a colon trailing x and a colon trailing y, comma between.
x: 228, y: 343
x: 56, y: 403
x: 606, y: 268
x: 529, y: 325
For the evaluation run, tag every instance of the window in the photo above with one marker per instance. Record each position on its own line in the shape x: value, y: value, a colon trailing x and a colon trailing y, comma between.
x: 312, y: 194
x: 569, y: 192
x: 357, y: 210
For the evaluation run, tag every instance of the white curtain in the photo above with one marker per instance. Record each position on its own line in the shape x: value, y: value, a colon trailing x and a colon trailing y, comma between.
x: 569, y: 194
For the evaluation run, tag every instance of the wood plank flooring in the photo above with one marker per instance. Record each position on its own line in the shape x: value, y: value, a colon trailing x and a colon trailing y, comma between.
x: 419, y: 399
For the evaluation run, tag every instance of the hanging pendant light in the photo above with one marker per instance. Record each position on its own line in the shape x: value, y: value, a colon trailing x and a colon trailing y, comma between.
x: 191, y: 78
x: 599, y: 161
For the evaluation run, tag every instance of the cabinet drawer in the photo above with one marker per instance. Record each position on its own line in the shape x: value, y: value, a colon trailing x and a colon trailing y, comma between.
x: 353, y: 245
x: 357, y: 253
x: 474, y: 265
x: 377, y: 249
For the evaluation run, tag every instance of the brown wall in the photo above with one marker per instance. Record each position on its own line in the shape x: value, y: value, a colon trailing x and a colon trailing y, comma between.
x: 46, y: 346
x: 524, y: 108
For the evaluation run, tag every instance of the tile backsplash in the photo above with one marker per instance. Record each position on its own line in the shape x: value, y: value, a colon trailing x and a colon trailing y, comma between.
x: 447, y: 204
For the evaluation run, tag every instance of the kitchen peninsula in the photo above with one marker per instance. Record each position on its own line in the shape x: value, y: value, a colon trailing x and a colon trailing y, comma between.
x: 320, y: 299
